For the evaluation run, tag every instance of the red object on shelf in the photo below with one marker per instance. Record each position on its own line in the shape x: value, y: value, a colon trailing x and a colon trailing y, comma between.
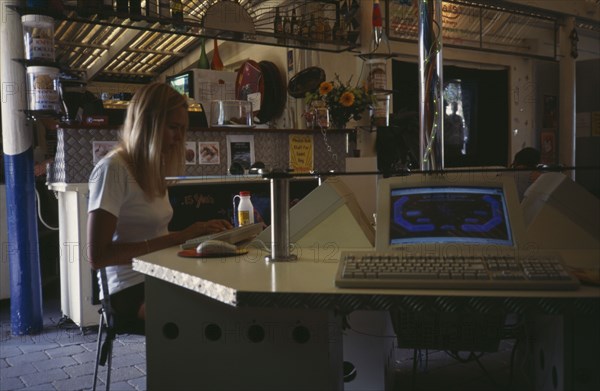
x: 216, y: 62
x: 377, y: 20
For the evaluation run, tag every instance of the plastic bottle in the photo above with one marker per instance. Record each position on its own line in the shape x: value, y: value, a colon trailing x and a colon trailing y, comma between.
x: 245, y: 210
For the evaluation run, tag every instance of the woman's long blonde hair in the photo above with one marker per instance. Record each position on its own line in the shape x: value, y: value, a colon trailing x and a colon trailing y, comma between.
x: 141, y: 143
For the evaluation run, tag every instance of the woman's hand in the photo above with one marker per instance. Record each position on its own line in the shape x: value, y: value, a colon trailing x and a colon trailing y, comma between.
x: 213, y: 226
x: 205, y: 227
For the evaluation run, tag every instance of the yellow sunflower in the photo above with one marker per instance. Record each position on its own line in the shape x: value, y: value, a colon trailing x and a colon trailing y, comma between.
x: 347, y: 99
x: 325, y: 88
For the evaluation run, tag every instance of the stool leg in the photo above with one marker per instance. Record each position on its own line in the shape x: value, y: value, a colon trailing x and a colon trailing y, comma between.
x: 109, y: 363
x: 98, y: 347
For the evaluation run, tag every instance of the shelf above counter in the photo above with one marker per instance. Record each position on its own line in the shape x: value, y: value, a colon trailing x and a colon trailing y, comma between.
x: 110, y: 46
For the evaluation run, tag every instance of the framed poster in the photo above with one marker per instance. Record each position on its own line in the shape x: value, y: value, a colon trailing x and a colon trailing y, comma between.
x: 240, y: 149
x: 190, y: 152
x: 209, y: 152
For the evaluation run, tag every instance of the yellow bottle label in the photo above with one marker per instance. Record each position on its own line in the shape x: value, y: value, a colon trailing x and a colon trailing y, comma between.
x: 243, y: 217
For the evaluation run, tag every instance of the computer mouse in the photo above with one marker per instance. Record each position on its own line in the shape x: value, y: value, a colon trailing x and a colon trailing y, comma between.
x: 214, y: 247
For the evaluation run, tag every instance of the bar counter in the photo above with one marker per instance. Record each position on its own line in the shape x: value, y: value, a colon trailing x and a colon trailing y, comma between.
x: 243, y: 323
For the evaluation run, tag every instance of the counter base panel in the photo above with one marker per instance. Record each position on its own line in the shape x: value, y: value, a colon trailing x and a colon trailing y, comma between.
x: 210, y: 345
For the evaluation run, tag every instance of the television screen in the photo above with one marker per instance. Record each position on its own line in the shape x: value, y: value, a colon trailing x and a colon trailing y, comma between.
x: 182, y: 83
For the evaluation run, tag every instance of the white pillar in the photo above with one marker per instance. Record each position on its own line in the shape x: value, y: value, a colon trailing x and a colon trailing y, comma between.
x: 566, y: 128
x: 17, y: 145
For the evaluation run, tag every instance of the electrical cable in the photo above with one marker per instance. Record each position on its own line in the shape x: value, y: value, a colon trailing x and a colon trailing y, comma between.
x: 39, y: 212
x: 511, y: 369
x: 414, y: 370
x: 485, y: 371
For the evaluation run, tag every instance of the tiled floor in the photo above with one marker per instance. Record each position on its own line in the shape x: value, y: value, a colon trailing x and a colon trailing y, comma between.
x: 62, y: 358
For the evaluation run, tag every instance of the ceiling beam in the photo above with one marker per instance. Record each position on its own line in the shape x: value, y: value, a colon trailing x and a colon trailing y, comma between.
x: 128, y: 36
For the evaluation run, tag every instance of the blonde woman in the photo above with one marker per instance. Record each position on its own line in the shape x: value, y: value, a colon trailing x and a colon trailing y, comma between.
x: 129, y: 209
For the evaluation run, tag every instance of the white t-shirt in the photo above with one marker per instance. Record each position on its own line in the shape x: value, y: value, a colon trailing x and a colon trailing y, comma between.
x: 113, y: 189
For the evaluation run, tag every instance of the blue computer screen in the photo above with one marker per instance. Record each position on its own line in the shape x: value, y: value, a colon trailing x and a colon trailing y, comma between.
x: 449, y: 215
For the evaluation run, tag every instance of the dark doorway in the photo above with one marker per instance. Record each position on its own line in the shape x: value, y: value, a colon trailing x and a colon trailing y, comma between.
x: 476, y: 98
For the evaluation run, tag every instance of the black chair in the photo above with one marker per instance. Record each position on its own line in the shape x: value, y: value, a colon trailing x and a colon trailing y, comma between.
x: 108, y: 329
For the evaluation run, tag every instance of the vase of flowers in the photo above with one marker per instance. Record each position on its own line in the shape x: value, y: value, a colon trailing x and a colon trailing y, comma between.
x: 343, y: 101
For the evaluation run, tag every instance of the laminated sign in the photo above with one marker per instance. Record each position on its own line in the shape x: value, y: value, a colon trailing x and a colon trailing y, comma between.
x: 301, y: 152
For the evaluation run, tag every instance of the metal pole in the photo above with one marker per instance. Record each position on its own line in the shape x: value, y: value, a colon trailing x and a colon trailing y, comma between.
x: 17, y: 142
x: 280, y: 219
x: 431, y: 85
x: 567, y: 112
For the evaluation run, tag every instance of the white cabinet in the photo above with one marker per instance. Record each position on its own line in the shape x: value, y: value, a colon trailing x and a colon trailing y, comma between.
x: 77, y: 281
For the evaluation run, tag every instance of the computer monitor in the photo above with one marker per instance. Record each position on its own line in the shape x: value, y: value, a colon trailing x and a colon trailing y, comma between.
x: 183, y: 83
x: 560, y: 214
x: 456, y: 209
x: 328, y: 217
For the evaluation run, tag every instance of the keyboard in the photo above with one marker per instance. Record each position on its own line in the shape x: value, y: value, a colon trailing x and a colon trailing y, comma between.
x: 372, y: 269
x: 244, y: 233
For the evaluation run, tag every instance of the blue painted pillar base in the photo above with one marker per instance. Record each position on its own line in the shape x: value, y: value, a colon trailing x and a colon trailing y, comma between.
x: 22, y: 248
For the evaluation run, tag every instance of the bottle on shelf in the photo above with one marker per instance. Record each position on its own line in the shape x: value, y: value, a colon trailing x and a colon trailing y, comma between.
x: 302, y: 28
x: 335, y: 30
x: 294, y: 23
x: 203, y: 60
x: 342, y: 31
x: 287, y: 27
x: 177, y: 14
x: 216, y: 62
x: 319, y: 34
x: 277, y: 23
x: 311, y: 31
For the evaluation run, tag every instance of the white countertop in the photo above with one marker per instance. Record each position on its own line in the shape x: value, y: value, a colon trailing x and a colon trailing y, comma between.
x: 238, y: 281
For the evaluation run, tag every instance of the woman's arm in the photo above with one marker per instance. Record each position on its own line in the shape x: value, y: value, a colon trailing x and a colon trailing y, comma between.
x: 102, y: 251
